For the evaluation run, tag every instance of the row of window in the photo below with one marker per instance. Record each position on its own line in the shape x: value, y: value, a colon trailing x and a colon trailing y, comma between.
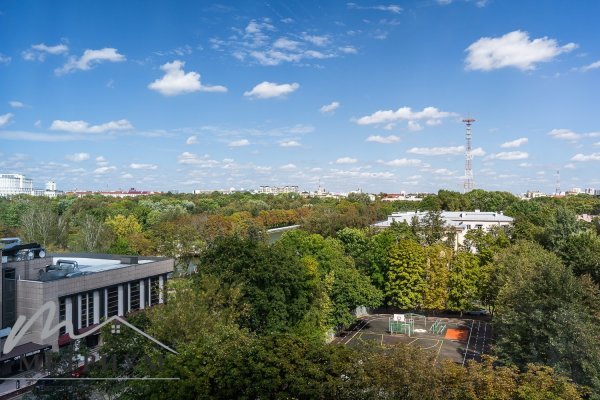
x: 82, y: 313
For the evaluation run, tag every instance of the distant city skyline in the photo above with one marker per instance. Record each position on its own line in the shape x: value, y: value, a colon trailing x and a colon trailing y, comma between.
x: 185, y: 96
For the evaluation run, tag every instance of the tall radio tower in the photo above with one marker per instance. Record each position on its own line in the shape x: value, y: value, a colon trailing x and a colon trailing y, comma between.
x: 468, y: 184
x: 557, y: 190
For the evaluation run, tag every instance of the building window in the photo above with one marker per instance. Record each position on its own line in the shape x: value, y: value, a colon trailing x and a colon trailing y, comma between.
x: 62, y: 314
x: 90, y: 310
x: 468, y: 227
x: 479, y: 226
x: 113, y: 301
x: 154, y: 290
x: 135, y: 295
x: 84, y: 310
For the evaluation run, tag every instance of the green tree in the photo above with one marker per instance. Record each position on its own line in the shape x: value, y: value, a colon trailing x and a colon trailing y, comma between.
x: 405, y: 284
x: 546, y: 315
x: 437, y: 274
x: 464, y: 281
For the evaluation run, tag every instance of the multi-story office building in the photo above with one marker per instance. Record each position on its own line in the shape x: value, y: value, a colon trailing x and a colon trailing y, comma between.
x: 85, y: 290
x: 14, y: 184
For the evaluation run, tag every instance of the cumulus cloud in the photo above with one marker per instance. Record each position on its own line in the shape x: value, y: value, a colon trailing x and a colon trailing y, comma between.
x: 564, y: 134
x: 78, y: 157
x: 89, y: 59
x: 589, y: 67
x: 188, y: 158
x: 414, y: 126
x: 289, y: 143
x: 515, y: 143
x: 346, y: 160
x: 40, y: 51
x: 586, y: 157
x: 4, y: 59
x: 267, y: 90
x: 239, y: 143
x: 508, y: 156
x: 104, y: 170
x: 192, y: 140
x: 513, y: 49
x: 330, y: 107
x: 85, y: 127
x: 143, y: 166
x: 4, y: 119
x: 383, y: 139
x: 445, y: 151
x: 176, y: 81
x: 442, y: 171
x: 16, y: 104
x: 288, y: 167
x: 403, y: 113
x: 402, y: 162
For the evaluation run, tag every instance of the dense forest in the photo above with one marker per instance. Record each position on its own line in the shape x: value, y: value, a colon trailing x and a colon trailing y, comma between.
x: 251, y: 318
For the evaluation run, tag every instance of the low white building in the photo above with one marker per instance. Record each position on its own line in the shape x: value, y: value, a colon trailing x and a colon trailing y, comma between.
x: 459, y: 222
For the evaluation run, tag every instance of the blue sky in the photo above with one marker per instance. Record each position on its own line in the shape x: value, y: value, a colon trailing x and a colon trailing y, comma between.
x: 187, y: 95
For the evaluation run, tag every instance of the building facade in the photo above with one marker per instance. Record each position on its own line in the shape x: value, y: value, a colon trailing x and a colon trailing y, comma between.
x: 457, y: 222
x: 15, y: 184
x: 85, y: 289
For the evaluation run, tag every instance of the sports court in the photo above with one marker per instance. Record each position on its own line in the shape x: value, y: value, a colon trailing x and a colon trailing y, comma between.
x: 457, y: 339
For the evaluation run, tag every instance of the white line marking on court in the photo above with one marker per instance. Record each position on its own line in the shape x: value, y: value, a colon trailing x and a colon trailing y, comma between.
x: 413, y: 341
x: 439, y: 351
x: 468, y: 341
x: 431, y: 347
x: 365, y: 322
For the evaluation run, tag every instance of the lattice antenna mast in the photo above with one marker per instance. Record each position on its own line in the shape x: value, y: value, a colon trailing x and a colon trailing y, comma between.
x: 557, y: 191
x: 468, y: 184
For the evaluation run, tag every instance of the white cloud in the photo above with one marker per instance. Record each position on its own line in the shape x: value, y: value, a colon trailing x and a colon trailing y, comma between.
x: 192, y: 140
x: 85, y: 127
x: 38, y: 123
x: 104, y: 170
x: 4, y: 119
x: 188, y: 158
x: 514, y: 49
x: 402, y: 162
x: 89, y: 59
x: 403, y: 113
x: 288, y: 167
x: 348, y: 50
x: 508, y: 155
x: 564, y: 134
x: 346, y: 160
x: 239, y: 143
x: 289, y: 143
x: 39, y: 51
x: 330, y: 107
x: 444, y: 151
x: 525, y: 165
x: 414, y: 126
x: 594, y: 65
x: 444, y: 2
x: 143, y: 166
x: 287, y: 44
x: 383, y: 139
x: 16, y: 104
x: 78, y: 157
x: 176, y: 81
x: 393, y: 8
x: 5, y: 59
x: 586, y: 157
x: 267, y: 90
x: 317, y: 40
x: 569, y: 166
x: 515, y: 143
x: 126, y: 176
x: 442, y: 171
